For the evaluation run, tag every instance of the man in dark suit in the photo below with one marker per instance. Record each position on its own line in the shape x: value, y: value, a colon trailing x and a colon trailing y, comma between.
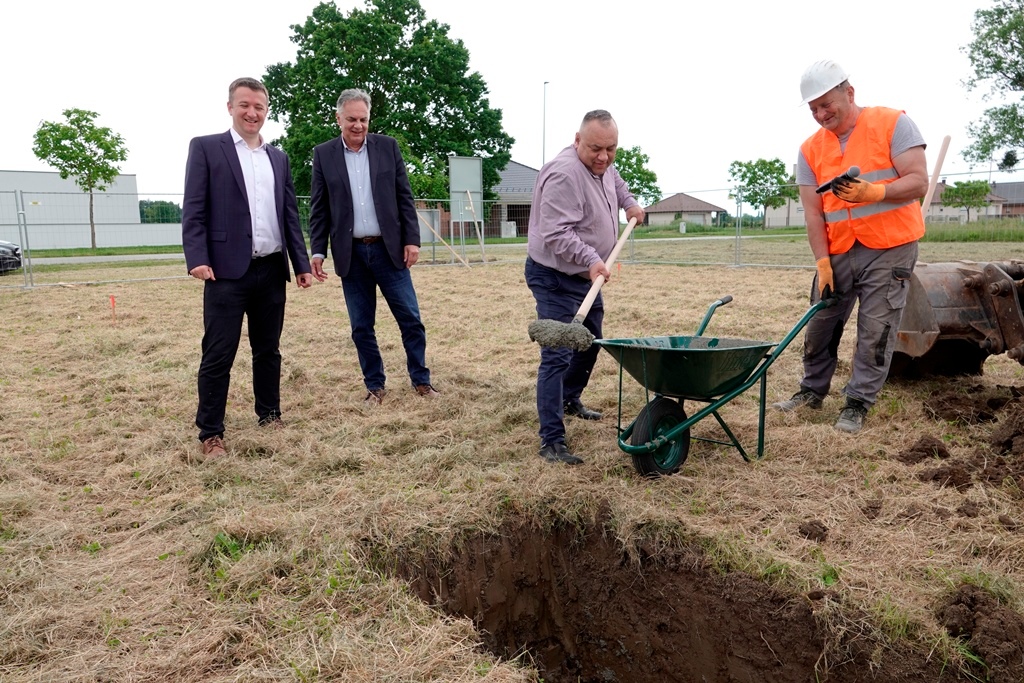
x: 362, y: 205
x: 239, y: 217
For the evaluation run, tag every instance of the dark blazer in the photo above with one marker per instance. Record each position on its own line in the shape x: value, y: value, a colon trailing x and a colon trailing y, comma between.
x: 330, y: 210
x: 216, y: 227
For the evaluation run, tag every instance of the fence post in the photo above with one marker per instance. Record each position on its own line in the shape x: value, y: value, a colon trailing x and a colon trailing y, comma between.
x: 26, y: 252
x: 739, y: 221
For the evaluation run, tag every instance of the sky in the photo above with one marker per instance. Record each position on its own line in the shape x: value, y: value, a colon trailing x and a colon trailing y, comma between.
x: 695, y: 85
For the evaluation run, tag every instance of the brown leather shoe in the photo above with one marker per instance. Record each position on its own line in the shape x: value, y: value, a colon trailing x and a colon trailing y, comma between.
x: 427, y: 390
x: 213, y: 448
x: 375, y: 397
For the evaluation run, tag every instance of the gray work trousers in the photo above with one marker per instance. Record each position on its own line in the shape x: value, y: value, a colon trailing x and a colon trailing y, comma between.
x: 879, y: 280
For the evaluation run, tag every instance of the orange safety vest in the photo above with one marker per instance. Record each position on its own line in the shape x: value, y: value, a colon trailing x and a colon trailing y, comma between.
x: 876, y: 225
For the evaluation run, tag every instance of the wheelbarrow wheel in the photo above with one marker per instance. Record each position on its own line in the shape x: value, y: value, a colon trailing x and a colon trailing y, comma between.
x: 658, y: 418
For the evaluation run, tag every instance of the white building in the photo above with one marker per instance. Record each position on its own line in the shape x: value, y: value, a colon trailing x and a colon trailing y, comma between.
x: 57, y: 213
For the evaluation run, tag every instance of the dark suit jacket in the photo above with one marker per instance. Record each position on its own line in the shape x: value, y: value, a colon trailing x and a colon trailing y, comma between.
x: 330, y: 211
x: 216, y: 226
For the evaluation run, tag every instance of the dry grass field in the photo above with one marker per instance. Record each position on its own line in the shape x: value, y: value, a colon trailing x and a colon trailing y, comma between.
x: 304, y: 554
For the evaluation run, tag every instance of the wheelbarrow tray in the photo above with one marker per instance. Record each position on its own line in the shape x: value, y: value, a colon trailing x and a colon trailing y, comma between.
x: 712, y: 370
x: 696, y: 368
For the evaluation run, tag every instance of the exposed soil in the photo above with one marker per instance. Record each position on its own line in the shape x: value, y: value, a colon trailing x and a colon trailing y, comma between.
x: 993, y: 632
x: 975, y: 405
x: 998, y: 463
x: 587, y: 611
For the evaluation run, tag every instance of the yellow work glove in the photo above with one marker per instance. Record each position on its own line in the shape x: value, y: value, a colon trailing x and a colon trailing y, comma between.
x: 826, y: 281
x: 857, y: 190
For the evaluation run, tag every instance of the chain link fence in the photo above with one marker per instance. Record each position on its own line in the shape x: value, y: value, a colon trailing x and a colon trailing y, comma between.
x: 49, y: 239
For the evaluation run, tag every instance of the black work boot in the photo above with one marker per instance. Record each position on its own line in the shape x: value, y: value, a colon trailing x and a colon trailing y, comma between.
x: 576, y: 408
x: 851, y: 418
x: 557, y: 452
x: 800, y: 399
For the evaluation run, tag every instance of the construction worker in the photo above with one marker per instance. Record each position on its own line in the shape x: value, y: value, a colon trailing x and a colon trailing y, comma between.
x: 863, y: 231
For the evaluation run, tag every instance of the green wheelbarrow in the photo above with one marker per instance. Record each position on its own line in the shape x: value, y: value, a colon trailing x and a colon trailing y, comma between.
x: 710, y: 370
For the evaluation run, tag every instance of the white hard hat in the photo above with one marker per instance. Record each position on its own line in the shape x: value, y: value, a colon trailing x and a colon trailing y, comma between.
x: 819, y: 78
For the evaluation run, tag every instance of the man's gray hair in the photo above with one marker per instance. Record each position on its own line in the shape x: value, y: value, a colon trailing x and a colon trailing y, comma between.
x: 353, y: 94
x: 600, y: 115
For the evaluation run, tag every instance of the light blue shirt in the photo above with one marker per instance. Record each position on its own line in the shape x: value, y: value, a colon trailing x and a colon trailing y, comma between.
x: 364, y: 214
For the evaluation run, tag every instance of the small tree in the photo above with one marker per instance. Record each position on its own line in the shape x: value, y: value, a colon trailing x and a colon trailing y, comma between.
x: 966, y: 194
x: 80, y: 149
x: 642, y: 182
x: 766, y: 183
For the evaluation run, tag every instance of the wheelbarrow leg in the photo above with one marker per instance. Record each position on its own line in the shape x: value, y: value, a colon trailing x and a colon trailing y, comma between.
x: 760, y: 417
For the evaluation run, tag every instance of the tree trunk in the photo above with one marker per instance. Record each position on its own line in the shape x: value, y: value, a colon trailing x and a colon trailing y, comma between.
x: 92, y: 222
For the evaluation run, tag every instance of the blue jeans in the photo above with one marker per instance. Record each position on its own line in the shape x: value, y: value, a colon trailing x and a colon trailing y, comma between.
x: 563, y: 373
x: 372, y: 268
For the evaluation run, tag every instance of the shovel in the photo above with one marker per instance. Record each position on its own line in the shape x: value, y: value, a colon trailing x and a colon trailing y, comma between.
x: 574, y: 335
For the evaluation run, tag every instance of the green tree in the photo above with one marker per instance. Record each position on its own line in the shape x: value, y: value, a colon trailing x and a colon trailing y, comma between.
x: 966, y: 194
x: 80, y: 149
x: 418, y: 79
x: 642, y: 182
x: 766, y: 183
x: 159, y: 211
x: 997, y: 57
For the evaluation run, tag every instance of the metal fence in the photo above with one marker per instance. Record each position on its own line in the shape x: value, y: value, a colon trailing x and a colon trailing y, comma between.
x: 55, y: 236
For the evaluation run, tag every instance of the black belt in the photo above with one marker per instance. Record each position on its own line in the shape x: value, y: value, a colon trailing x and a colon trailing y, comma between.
x: 366, y: 240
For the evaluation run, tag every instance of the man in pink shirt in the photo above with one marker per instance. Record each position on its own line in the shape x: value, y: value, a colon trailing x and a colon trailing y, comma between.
x: 574, y: 224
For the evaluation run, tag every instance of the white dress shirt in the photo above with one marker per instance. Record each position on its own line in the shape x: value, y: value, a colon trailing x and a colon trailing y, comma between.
x: 259, y: 189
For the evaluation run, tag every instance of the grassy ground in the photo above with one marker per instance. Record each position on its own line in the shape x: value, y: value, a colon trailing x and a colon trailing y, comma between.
x: 124, y: 559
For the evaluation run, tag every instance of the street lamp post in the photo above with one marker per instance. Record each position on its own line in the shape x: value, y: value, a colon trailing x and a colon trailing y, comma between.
x: 544, y: 128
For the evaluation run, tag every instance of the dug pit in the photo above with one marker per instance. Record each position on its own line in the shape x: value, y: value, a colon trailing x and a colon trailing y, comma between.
x: 582, y: 609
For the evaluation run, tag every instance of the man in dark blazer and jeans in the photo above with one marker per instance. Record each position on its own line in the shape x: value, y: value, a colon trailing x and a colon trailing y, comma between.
x: 361, y: 203
x: 239, y: 217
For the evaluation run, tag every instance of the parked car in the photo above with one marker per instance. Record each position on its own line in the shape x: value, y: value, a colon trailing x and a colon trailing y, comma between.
x: 10, y: 257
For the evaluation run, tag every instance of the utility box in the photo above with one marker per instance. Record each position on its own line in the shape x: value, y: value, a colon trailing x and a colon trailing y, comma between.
x: 682, y: 228
x: 508, y: 229
x: 432, y: 218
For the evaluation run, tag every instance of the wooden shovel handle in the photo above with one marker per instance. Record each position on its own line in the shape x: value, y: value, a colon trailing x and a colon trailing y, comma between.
x: 596, y: 287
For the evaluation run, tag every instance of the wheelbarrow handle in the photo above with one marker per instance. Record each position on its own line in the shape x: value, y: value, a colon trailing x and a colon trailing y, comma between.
x: 591, y: 297
x: 711, y: 311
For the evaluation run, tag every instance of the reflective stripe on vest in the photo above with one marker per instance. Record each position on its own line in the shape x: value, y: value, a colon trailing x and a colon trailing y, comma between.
x: 862, y: 210
x: 877, y: 225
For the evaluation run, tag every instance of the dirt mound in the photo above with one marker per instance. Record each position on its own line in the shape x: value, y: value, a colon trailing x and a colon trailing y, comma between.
x: 993, y: 632
x: 1008, y: 437
x: 975, y: 405
x: 999, y: 462
x: 926, y: 447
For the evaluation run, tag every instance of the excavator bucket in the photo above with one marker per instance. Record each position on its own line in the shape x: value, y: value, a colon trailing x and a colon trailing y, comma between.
x: 957, y: 315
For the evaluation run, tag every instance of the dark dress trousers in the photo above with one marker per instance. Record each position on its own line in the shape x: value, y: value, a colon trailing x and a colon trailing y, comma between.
x: 217, y: 232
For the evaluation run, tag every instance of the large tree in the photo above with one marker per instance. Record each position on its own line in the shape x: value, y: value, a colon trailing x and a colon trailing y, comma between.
x: 765, y: 183
x: 418, y: 79
x: 966, y: 194
x: 80, y: 149
x: 642, y: 182
x: 997, y: 57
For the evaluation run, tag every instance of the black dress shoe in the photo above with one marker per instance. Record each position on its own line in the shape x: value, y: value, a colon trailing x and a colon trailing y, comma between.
x: 577, y: 409
x: 557, y: 452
